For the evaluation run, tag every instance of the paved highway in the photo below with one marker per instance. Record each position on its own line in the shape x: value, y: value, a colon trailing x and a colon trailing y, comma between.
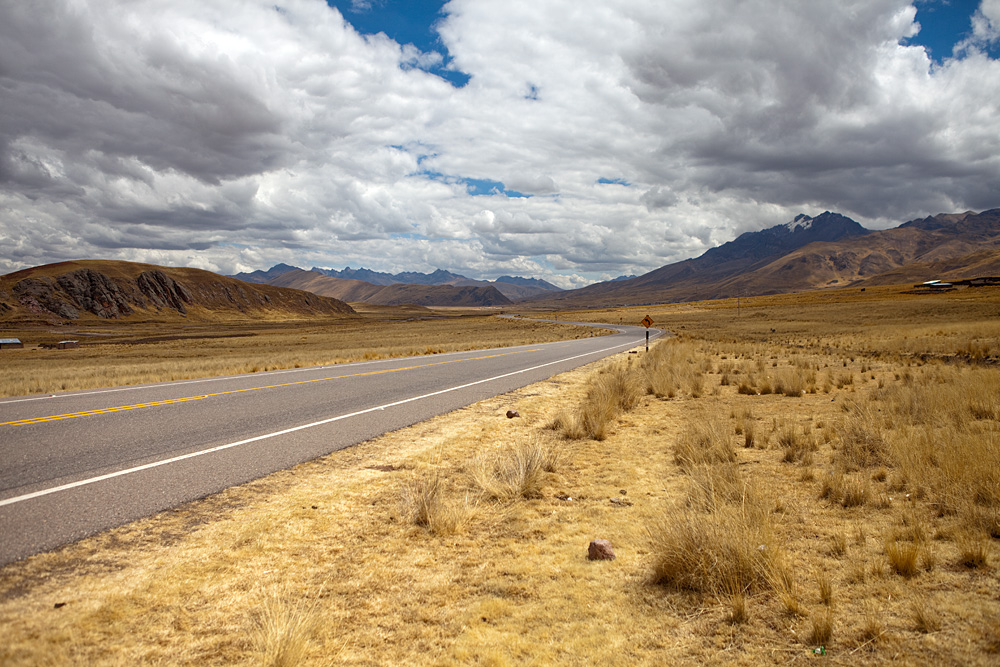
x: 76, y: 463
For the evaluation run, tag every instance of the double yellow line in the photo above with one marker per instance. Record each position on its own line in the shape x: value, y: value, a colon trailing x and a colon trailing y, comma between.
x: 136, y: 406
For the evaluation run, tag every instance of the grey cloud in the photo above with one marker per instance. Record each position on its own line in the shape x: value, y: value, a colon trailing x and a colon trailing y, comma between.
x: 252, y: 135
x: 81, y: 88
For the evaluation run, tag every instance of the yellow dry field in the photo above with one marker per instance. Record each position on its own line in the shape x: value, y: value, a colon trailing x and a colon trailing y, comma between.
x: 765, y: 493
x: 124, y: 353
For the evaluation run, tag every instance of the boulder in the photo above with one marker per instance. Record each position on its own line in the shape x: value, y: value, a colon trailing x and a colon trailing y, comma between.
x: 600, y: 550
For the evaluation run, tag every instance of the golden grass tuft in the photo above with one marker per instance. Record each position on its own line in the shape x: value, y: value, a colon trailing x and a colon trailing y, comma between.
x: 903, y: 556
x: 873, y: 628
x: 282, y: 630
x: 924, y: 615
x: 721, y: 544
x: 513, y: 470
x: 863, y: 444
x: 825, y: 586
x: 611, y: 391
x: 821, y: 627
x: 706, y: 441
x: 670, y: 366
x: 973, y: 550
x: 425, y: 503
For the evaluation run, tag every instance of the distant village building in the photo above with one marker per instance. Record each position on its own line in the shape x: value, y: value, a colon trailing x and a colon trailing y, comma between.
x: 67, y: 344
x: 11, y: 344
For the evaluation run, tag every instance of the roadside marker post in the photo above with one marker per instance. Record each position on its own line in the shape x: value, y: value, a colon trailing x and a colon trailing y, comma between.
x: 647, y: 322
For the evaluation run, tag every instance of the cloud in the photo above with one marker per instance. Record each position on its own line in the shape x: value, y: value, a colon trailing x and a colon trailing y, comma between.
x: 985, y: 29
x: 236, y: 134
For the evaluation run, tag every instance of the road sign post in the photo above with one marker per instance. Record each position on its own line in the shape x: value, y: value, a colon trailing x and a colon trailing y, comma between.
x: 647, y: 322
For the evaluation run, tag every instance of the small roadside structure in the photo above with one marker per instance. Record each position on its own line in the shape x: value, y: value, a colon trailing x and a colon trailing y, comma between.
x: 67, y: 344
x: 11, y: 344
x: 935, y: 285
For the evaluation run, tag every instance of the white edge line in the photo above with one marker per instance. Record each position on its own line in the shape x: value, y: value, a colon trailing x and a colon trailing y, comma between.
x: 191, y: 455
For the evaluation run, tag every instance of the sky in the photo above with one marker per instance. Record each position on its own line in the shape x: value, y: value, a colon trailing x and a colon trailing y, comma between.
x: 569, y: 140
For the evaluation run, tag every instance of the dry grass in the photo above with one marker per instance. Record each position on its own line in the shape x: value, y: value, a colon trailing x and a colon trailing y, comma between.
x: 426, y: 503
x: 612, y: 391
x: 706, y: 441
x: 513, y: 470
x: 721, y: 547
x: 903, y: 557
x: 115, y: 354
x: 685, y: 503
x: 282, y: 629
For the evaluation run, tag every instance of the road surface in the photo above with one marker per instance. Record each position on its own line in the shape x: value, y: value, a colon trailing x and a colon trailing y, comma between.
x: 77, y: 463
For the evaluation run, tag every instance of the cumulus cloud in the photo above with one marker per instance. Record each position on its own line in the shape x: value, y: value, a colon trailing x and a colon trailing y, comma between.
x: 232, y: 135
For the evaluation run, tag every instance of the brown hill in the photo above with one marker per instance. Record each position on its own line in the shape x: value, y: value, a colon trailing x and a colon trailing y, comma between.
x: 947, y: 246
x: 91, y: 289
x: 973, y: 265
x: 952, y: 246
x: 359, y: 291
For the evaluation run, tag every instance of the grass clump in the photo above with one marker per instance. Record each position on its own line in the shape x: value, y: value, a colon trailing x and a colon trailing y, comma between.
x: 706, y: 441
x: 425, y: 503
x: 903, y: 556
x: 719, y: 545
x: 611, y: 392
x: 863, y: 444
x: 822, y: 627
x: 973, y: 550
x: 282, y: 631
x: 721, y: 552
x: 670, y: 366
x: 746, y: 426
x: 924, y: 615
x: 513, y: 470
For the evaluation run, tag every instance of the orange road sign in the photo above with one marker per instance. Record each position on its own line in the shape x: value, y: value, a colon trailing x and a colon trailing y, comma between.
x: 647, y: 321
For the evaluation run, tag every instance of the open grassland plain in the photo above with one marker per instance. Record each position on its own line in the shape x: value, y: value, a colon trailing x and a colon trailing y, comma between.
x: 124, y: 353
x: 809, y: 473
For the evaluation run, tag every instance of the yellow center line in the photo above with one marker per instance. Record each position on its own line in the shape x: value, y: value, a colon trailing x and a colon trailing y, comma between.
x: 169, y: 401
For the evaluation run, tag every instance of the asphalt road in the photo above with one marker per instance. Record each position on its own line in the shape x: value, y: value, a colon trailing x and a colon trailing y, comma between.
x: 77, y: 463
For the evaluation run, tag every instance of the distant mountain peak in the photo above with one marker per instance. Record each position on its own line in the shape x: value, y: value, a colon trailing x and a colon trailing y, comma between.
x: 528, y: 282
x: 801, y: 222
x: 777, y: 240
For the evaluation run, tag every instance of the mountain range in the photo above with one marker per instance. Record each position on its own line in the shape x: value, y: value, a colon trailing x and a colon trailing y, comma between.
x: 511, y: 287
x: 347, y: 289
x: 829, y: 250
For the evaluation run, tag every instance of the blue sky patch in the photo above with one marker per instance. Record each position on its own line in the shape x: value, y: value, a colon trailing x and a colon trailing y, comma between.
x: 475, y: 186
x: 407, y: 22
x: 613, y: 181
x: 945, y: 23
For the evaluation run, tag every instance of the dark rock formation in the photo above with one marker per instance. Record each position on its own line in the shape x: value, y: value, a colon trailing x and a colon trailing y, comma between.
x: 38, y: 296
x: 96, y: 293
x: 163, y: 291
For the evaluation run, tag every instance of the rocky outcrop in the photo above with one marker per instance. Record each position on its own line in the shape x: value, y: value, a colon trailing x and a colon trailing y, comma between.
x: 96, y: 293
x: 163, y: 291
x: 38, y: 296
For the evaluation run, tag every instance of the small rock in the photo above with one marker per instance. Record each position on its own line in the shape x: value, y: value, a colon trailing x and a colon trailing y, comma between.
x: 600, y: 550
x: 621, y: 502
x: 59, y: 605
x: 513, y: 413
x: 623, y: 491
